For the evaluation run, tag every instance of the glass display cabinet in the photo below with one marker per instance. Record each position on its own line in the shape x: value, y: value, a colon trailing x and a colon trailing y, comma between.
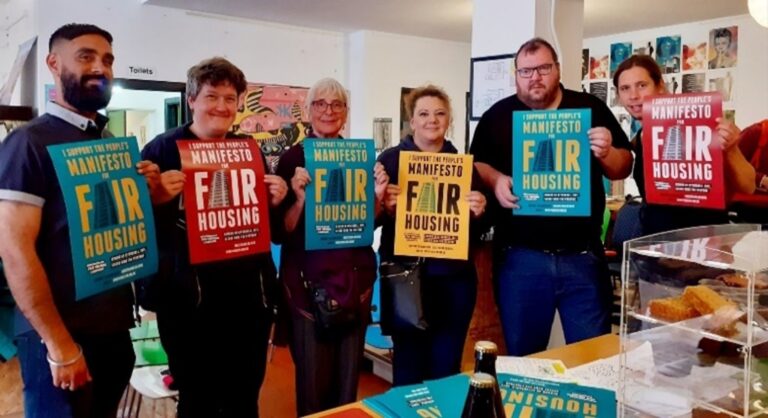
x: 694, y: 329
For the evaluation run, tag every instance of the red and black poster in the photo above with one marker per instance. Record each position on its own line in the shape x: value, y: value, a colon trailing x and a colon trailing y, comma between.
x: 683, y: 162
x: 225, y: 199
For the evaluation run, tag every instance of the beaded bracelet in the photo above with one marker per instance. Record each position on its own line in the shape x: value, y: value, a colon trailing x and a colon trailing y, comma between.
x: 74, y: 360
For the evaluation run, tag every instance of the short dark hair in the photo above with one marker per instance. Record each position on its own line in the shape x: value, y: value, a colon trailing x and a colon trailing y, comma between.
x: 723, y: 33
x: 642, y: 61
x: 214, y: 71
x: 426, y: 91
x: 533, y: 45
x: 71, y: 31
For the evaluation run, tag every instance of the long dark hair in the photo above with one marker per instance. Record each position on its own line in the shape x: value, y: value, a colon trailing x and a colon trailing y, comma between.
x: 642, y: 61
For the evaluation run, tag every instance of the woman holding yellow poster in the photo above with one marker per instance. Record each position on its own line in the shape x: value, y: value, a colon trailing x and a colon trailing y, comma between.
x: 448, y: 286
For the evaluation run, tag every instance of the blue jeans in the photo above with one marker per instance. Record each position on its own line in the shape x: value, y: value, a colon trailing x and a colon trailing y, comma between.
x: 110, y: 361
x: 532, y: 284
x: 435, y: 353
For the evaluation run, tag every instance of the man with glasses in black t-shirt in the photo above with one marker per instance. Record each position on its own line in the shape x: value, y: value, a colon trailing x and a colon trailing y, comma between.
x: 544, y: 264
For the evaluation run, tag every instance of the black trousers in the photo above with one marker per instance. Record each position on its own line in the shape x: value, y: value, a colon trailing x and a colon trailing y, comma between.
x: 217, y: 354
x: 327, y: 367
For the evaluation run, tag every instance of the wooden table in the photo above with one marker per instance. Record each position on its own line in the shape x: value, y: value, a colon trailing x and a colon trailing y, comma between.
x: 572, y: 355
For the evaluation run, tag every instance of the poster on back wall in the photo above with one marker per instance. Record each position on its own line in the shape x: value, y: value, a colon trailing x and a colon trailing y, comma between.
x: 683, y: 165
x: 109, y: 213
x: 225, y: 199
x: 551, y: 161
x: 339, y: 207
x: 432, y: 217
x: 275, y: 116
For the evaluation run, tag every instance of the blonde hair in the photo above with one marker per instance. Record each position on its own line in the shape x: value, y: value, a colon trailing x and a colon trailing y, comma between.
x: 429, y: 90
x: 326, y: 85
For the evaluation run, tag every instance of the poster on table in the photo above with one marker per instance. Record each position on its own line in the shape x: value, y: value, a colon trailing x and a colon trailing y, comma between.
x: 551, y: 162
x: 339, y: 208
x: 225, y: 199
x: 432, y: 217
x: 683, y: 163
x: 109, y: 213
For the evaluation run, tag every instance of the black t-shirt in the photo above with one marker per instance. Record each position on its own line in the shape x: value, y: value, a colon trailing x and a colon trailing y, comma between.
x: 662, y: 218
x: 27, y: 175
x: 492, y: 144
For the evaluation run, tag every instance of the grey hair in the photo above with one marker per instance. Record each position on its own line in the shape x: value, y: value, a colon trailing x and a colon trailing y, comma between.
x: 326, y: 85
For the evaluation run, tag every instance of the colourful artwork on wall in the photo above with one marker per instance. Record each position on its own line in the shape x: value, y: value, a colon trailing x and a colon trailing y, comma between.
x: 275, y: 116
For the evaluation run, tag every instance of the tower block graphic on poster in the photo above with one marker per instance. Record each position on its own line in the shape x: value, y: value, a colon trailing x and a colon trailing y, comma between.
x: 432, y: 218
x: 683, y: 165
x: 225, y: 197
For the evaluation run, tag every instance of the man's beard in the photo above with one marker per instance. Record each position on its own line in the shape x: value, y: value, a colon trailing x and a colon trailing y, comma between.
x: 84, y: 97
x: 541, y: 101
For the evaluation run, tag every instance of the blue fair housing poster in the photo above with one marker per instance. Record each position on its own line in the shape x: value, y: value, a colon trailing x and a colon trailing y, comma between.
x: 551, y: 162
x: 111, y: 225
x: 339, y: 206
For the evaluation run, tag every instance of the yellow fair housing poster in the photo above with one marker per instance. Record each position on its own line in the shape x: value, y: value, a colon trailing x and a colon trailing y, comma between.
x: 432, y: 218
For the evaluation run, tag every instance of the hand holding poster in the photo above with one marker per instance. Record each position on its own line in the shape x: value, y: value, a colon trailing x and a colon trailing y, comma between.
x: 109, y: 213
x: 225, y: 197
x: 683, y: 165
x: 338, y: 212
x: 551, y: 162
x: 432, y: 218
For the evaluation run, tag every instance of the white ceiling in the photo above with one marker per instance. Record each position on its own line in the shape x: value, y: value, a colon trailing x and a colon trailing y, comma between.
x: 452, y: 19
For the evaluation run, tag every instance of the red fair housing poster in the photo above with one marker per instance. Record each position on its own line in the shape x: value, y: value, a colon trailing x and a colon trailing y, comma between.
x: 683, y: 160
x: 225, y: 199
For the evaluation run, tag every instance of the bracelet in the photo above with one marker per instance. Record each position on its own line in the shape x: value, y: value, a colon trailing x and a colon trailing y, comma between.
x: 74, y: 360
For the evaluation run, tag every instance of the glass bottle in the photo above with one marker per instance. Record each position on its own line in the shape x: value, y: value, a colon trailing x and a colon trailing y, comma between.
x: 480, y: 398
x: 486, y: 353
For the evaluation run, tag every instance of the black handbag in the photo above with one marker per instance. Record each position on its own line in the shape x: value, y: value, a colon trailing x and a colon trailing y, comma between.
x: 402, y: 308
x: 329, y: 315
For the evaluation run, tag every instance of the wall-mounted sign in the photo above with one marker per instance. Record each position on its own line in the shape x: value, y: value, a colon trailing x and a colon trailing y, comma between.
x: 141, y: 71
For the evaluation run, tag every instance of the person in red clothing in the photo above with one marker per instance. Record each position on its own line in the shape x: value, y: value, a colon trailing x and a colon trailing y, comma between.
x: 753, y: 207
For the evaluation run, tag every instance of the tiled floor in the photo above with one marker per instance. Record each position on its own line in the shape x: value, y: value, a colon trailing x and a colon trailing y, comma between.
x: 277, y: 394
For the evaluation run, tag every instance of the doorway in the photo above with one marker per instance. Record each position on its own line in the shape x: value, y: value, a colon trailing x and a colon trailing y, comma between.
x: 145, y: 109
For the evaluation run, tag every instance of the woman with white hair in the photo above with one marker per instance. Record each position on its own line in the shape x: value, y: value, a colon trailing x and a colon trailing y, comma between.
x: 327, y: 359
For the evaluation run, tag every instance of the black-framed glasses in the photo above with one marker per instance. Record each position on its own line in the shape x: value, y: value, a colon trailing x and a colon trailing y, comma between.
x: 543, y: 69
x: 321, y: 106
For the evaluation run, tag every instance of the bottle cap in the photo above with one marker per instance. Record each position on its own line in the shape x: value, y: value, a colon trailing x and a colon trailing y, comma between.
x: 486, y: 347
x: 482, y: 381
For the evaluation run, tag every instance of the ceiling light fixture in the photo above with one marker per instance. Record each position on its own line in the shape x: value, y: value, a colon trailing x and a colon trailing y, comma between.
x: 759, y: 11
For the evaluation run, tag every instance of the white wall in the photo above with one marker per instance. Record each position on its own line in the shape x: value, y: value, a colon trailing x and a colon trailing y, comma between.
x: 170, y: 41
x: 751, y: 84
x: 372, y: 65
x: 17, y: 25
x: 379, y: 64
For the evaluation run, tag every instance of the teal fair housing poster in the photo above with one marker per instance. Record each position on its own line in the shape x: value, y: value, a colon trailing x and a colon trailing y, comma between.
x: 551, y: 160
x: 109, y: 212
x: 339, y: 206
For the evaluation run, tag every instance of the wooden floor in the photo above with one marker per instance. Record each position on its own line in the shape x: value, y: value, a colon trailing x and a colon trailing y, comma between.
x: 277, y: 398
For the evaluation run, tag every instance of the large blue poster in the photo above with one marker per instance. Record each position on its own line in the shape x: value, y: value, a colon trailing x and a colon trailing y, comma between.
x: 111, y: 226
x: 339, y: 199
x: 551, y: 162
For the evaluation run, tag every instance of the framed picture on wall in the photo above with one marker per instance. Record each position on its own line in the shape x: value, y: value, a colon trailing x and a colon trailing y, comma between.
x: 491, y: 79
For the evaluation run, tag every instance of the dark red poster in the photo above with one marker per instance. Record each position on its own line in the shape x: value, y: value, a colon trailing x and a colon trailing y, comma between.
x: 225, y: 199
x: 683, y: 161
